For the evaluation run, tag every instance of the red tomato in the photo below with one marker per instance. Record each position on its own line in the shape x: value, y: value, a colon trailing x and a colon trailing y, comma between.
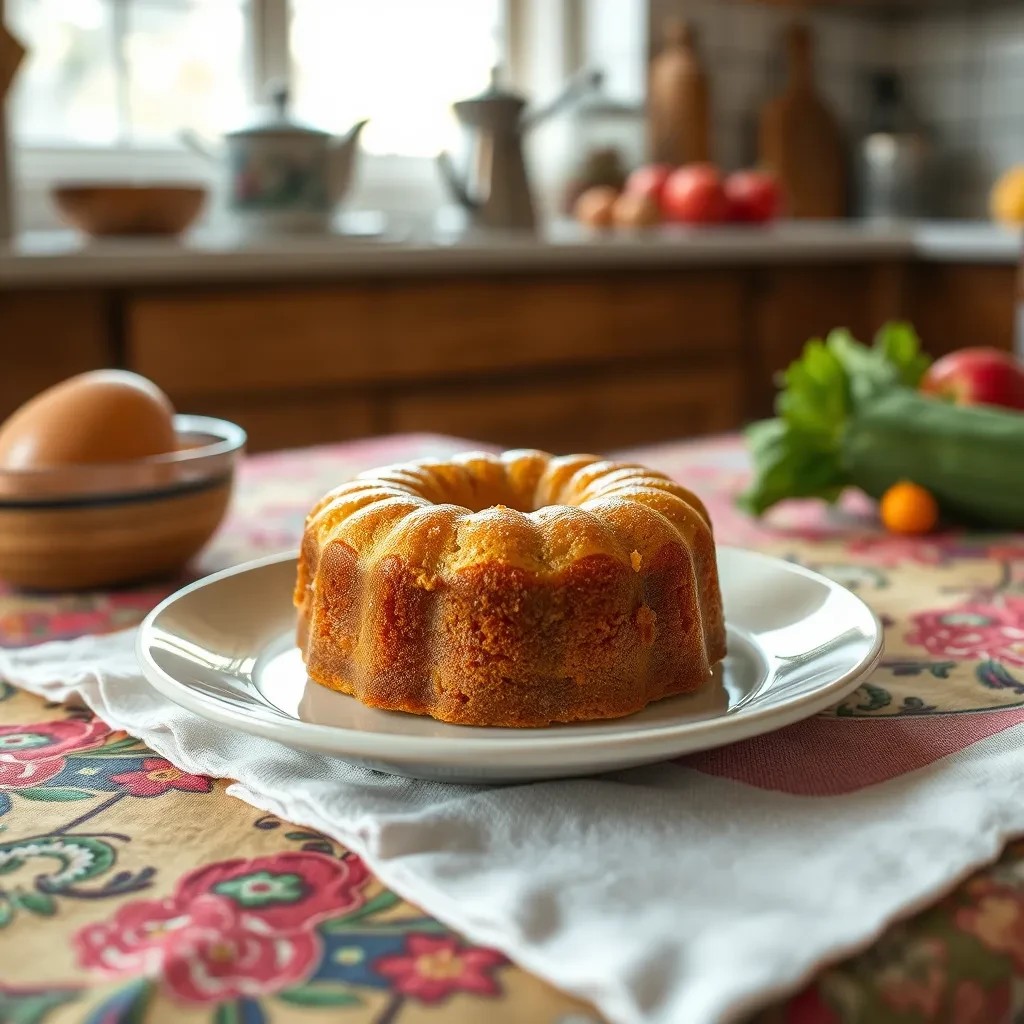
x: 648, y: 181
x: 755, y: 197
x: 694, y: 195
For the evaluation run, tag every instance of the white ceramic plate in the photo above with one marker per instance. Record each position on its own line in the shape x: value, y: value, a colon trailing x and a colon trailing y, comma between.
x: 224, y: 648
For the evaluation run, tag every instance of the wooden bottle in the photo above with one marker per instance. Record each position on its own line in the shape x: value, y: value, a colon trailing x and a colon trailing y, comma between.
x: 678, y: 100
x: 800, y: 140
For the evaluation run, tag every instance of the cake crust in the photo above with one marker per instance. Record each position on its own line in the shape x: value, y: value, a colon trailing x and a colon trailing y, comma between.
x: 515, y: 590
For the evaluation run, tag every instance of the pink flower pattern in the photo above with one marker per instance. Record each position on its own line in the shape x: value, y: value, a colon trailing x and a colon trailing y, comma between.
x: 50, y: 739
x: 249, y: 928
x: 972, y: 631
x: 204, y: 950
x: 157, y: 775
x: 230, y: 929
x: 890, y: 552
x: 33, y: 754
x: 434, y: 967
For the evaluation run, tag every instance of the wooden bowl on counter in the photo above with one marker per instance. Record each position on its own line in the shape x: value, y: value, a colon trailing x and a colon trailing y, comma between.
x: 102, y: 209
x: 96, y: 526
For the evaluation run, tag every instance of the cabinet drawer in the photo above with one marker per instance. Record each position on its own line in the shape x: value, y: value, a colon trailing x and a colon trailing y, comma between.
x: 793, y: 304
x: 957, y: 305
x: 294, y: 422
x: 583, y: 413
x: 204, y: 343
x: 47, y: 336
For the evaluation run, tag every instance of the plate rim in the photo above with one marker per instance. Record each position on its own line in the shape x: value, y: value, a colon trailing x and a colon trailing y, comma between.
x: 522, y: 746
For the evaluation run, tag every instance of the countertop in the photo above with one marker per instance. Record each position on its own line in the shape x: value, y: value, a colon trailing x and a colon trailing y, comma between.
x: 59, y: 258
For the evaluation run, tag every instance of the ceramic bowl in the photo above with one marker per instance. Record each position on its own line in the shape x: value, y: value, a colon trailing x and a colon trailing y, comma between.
x: 122, y: 209
x: 82, y: 527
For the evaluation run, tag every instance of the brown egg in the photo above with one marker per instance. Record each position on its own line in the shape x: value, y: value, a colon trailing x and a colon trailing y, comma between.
x: 635, y: 210
x: 100, y: 416
x: 594, y: 207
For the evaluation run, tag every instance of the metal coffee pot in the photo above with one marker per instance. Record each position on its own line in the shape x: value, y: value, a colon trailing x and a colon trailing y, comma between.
x: 494, y: 186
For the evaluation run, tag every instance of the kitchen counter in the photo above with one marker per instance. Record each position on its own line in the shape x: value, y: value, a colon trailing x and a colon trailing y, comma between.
x: 64, y: 258
x: 565, y: 342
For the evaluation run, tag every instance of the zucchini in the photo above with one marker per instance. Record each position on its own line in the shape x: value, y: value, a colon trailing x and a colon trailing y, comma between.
x: 971, y: 458
x: 849, y: 415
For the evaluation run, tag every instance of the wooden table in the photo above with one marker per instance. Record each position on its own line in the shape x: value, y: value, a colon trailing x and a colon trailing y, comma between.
x: 108, y: 853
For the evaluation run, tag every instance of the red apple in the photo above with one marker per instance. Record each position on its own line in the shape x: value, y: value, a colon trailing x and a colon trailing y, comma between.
x: 648, y: 181
x: 694, y: 195
x: 977, y: 376
x: 755, y: 197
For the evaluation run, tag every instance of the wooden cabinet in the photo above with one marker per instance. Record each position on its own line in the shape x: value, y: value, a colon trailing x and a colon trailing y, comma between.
x: 293, y: 421
x: 46, y: 336
x: 954, y: 306
x: 583, y: 360
x: 556, y: 360
x: 791, y: 305
x: 582, y: 410
x: 247, y: 340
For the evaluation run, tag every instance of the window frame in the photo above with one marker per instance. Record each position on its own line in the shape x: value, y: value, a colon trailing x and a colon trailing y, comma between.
x: 544, y: 46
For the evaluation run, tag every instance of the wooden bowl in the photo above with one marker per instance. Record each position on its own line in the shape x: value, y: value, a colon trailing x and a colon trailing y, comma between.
x: 78, y: 528
x: 108, y: 209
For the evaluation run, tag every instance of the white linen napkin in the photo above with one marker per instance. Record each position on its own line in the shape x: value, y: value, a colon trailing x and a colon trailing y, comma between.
x: 661, y: 894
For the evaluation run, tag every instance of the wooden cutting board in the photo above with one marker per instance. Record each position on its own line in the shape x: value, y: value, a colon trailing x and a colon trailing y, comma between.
x: 800, y: 138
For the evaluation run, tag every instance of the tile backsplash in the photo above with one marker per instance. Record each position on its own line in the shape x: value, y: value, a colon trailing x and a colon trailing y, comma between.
x: 963, y: 79
x: 741, y: 46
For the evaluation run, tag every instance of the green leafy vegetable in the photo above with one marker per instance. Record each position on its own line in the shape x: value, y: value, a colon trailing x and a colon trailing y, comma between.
x: 799, y: 454
x: 814, y: 398
x: 790, y: 463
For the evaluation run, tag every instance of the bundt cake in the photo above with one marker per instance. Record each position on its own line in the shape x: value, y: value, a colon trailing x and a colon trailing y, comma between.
x: 514, y: 590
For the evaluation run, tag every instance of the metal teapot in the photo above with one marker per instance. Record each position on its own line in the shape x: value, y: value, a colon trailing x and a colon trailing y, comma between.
x: 495, y: 188
x: 284, y: 176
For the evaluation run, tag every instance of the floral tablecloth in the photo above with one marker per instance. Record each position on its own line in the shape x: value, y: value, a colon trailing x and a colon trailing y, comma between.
x: 133, y: 892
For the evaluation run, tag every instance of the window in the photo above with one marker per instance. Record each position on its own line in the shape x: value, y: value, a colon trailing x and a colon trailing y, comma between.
x: 400, y: 63
x: 134, y: 73
x: 109, y: 84
x: 127, y: 72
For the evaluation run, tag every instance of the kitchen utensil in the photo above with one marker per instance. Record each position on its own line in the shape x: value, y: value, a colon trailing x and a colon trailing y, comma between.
x: 225, y: 648
x: 284, y: 176
x: 891, y: 171
x: 892, y: 157
x: 103, y: 208
x: 494, y: 187
x: 678, y: 105
x: 96, y: 525
x: 800, y: 139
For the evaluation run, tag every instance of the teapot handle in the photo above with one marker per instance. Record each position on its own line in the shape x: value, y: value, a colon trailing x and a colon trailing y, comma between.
x: 579, y: 85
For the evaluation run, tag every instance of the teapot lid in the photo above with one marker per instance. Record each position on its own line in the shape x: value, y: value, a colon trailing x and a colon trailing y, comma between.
x: 277, y: 120
x: 495, y: 93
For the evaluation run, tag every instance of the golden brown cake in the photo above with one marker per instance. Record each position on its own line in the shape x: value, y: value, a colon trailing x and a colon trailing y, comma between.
x: 512, y: 590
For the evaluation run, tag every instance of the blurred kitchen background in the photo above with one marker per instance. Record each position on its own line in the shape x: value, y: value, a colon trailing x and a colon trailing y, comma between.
x: 317, y: 279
